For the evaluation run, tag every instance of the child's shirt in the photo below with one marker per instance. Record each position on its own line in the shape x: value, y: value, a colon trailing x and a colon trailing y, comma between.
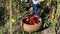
x: 35, y: 1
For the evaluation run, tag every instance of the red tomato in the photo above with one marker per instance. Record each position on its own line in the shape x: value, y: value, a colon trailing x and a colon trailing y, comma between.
x: 32, y: 20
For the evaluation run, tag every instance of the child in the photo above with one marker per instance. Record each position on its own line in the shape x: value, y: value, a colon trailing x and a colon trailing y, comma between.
x: 35, y: 7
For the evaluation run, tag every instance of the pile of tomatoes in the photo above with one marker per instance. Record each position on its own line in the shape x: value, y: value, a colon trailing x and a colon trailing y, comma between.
x: 31, y: 20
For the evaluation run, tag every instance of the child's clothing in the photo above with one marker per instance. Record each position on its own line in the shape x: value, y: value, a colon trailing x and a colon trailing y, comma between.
x: 35, y: 1
x: 35, y: 7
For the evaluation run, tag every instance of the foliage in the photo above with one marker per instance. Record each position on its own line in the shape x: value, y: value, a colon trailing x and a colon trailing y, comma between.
x: 19, y: 12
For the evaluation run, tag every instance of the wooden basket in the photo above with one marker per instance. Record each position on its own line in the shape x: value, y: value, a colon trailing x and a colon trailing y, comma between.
x: 31, y: 28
